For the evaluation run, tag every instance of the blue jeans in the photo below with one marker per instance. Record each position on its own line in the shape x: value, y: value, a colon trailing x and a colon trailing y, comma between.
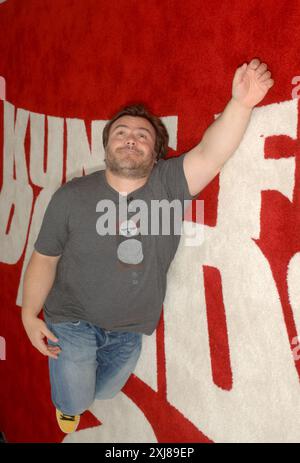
x: 93, y: 364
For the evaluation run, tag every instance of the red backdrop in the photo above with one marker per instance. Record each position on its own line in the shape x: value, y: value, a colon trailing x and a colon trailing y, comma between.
x: 68, y: 60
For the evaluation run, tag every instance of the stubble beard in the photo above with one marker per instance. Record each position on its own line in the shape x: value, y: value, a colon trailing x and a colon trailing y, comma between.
x: 128, y: 165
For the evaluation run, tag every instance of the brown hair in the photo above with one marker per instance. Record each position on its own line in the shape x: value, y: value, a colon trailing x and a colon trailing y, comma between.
x: 162, y: 136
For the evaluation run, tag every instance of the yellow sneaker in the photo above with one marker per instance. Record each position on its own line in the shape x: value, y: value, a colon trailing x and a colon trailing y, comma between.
x: 67, y: 423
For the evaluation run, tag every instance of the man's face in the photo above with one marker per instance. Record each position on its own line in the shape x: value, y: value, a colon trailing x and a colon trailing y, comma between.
x: 130, y: 148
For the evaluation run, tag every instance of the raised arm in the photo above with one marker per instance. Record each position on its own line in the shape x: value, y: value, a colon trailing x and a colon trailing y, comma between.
x: 251, y: 83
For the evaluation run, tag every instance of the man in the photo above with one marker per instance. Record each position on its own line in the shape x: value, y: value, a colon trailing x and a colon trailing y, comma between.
x: 102, y: 291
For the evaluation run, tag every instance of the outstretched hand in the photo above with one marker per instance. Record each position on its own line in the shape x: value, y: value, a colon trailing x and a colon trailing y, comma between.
x: 251, y: 83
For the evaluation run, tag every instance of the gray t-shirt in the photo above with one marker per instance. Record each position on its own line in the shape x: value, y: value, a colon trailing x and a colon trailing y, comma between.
x: 116, y: 282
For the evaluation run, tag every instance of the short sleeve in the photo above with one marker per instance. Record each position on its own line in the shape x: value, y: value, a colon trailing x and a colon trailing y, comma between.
x: 173, y: 178
x: 53, y: 233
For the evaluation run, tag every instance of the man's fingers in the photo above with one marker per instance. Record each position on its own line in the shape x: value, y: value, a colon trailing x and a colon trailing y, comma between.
x: 265, y: 76
x: 43, y: 348
x: 53, y: 351
x: 262, y: 72
x: 50, y: 351
x: 269, y: 83
x: 54, y: 348
x: 254, y: 63
x: 261, y: 69
x: 52, y: 355
x: 50, y: 335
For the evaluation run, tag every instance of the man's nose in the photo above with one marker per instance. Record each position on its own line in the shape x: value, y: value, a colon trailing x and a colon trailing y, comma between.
x: 130, y: 140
